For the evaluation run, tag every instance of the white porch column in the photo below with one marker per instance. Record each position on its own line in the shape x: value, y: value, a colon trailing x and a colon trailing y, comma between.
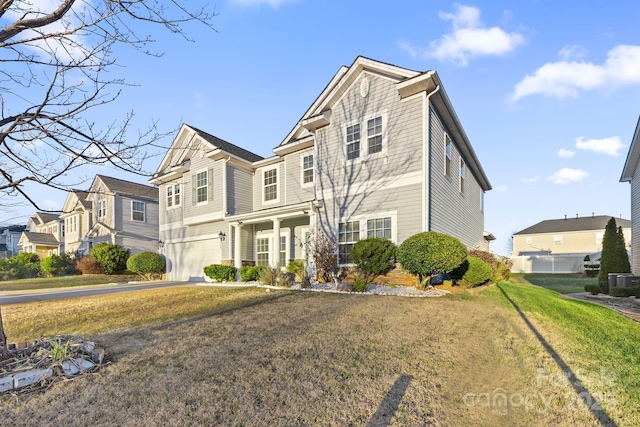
x: 275, y: 243
x: 237, y: 246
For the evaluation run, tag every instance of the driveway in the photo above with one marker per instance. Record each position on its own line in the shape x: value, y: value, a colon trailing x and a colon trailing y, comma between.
x: 54, y: 294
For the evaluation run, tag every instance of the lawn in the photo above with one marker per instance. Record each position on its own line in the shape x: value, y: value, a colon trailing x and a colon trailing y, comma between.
x: 207, y: 356
x: 64, y: 281
x: 561, y: 283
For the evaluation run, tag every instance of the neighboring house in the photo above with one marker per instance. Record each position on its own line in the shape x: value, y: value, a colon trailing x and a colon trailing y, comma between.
x: 119, y: 212
x: 44, y: 235
x: 568, y: 236
x: 9, y: 238
x: 78, y: 220
x: 631, y: 174
x: 379, y: 153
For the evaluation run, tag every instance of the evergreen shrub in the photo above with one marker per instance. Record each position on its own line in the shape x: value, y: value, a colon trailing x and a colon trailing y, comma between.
x: 373, y: 257
x: 149, y: 265
x: 112, y: 258
x: 220, y: 272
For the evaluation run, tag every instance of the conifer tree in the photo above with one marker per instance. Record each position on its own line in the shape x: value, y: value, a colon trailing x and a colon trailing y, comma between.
x: 614, y: 257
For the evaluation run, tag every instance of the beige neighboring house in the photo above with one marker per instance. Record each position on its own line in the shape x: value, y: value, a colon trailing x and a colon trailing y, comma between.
x: 379, y: 153
x: 78, y: 220
x: 123, y: 213
x: 567, y: 236
x: 44, y: 235
x: 631, y: 174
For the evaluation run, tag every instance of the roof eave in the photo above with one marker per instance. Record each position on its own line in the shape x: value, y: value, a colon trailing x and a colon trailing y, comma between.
x: 633, y: 156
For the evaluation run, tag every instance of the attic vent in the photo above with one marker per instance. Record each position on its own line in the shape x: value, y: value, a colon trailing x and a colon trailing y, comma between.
x: 364, y: 87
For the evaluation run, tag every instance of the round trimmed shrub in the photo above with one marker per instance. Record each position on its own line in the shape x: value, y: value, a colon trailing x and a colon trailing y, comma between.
x: 249, y: 273
x: 429, y: 252
x: 112, y: 258
x: 374, y: 257
x: 149, y: 265
x: 594, y: 289
x: 220, y: 272
x: 478, y: 272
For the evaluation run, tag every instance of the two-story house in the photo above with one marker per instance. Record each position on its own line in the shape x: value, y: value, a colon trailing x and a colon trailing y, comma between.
x: 118, y: 212
x: 379, y: 153
x: 78, y: 220
x: 567, y: 236
x: 9, y: 238
x: 44, y: 235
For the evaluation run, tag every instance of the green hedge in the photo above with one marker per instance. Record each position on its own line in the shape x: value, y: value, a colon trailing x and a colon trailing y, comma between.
x: 112, y: 258
x: 149, y: 265
x: 249, y: 273
x: 594, y: 289
x: 624, y: 292
x: 478, y: 272
x: 220, y: 272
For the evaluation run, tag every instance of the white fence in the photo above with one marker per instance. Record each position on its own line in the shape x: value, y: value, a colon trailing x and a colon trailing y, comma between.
x: 547, y: 264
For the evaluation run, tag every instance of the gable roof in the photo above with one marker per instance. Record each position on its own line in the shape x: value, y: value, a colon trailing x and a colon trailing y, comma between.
x: 633, y: 156
x: 39, y: 238
x: 127, y: 188
x: 13, y: 228
x: 82, y: 198
x: 227, y: 146
x: 598, y: 222
x: 44, y: 217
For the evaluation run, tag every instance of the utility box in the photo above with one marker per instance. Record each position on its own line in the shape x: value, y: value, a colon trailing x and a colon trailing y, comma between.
x: 627, y: 281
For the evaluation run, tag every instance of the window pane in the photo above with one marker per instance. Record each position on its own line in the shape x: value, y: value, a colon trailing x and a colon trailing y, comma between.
x: 201, y: 185
x: 353, y: 151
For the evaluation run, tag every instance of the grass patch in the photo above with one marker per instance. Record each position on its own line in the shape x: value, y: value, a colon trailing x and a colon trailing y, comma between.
x: 592, y: 339
x: 102, y: 313
x: 561, y: 283
x: 65, y: 281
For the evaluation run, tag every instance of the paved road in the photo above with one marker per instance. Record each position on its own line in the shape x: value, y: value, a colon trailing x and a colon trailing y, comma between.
x: 31, y: 296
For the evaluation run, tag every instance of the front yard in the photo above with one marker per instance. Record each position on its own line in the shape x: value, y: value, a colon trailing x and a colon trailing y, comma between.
x: 508, y: 355
x: 38, y: 283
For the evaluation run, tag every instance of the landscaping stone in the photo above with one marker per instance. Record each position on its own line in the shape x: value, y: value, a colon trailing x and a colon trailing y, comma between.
x: 6, y: 384
x: 97, y: 356
x: 24, y: 379
x: 88, y: 346
x: 344, y: 287
x: 77, y: 365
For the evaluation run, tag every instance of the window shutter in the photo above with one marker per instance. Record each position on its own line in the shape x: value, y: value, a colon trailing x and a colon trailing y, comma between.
x: 194, y: 190
x: 210, y: 178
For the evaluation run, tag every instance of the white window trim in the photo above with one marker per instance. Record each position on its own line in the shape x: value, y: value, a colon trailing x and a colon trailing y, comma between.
x: 268, y: 234
x: 302, y: 169
x: 144, y: 211
x: 278, y: 180
x: 363, y: 225
x: 364, y: 139
x: 462, y: 177
x: 206, y: 186
x: 173, y: 186
x: 449, y: 157
x: 104, y: 211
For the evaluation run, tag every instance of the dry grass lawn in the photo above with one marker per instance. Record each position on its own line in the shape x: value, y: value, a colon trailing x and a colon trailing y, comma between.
x: 247, y: 357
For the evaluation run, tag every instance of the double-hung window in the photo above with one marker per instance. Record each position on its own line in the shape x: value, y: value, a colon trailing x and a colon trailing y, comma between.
x: 262, y: 251
x: 270, y: 185
x: 307, y: 169
x: 137, y: 211
x: 283, y: 251
x: 173, y: 195
x: 102, y: 209
x: 447, y: 155
x: 348, y: 235
x: 463, y: 172
x: 353, y: 142
x: 374, y: 135
x: 379, y: 227
x: 201, y: 187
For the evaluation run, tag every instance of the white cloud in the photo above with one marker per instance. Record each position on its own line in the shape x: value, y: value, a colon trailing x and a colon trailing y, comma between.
x: 501, y: 188
x: 567, y: 78
x: 530, y: 180
x: 566, y: 154
x: 469, y: 38
x: 572, y: 52
x: 567, y: 175
x: 609, y: 146
x: 273, y: 3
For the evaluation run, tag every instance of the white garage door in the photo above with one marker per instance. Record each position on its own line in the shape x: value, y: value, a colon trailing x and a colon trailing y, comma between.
x: 186, y: 261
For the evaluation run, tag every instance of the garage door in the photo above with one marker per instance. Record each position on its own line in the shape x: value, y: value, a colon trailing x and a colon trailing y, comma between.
x: 186, y: 261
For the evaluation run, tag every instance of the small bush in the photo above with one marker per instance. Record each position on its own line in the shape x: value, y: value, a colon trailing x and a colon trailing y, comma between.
x: 268, y: 276
x: 57, y: 265
x: 296, y: 267
x: 149, y: 265
x: 305, y: 282
x: 112, y: 258
x: 428, y: 253
x: 249, y: 273
x: 594, y: 289
x: 10, y: 270
x: 220, y: 272
x: 286, y: 279
x: 374, y: 257
x: 359, y: 285
x: 479, y: 272
x: 624, y: 292
x: 24, y: 258
x: 88, y: 265
x: 504, y: 271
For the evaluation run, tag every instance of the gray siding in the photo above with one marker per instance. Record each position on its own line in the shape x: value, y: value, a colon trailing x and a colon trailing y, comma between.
x: 258, y: 184
x: 452, y: 212
x: 295, y: 191
x: 635, y: 221
x: 239, y: 190
x: 212, y: 206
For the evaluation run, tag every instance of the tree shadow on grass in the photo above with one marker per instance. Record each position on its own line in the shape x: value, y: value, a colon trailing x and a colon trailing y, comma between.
x: 590, y: 402
x: 389, y: 405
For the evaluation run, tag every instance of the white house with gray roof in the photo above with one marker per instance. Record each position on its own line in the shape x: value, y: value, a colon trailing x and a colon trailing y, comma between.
x: 380, y: 152
x: 631, y: 174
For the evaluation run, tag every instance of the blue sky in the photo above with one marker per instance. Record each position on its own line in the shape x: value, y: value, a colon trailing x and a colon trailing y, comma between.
x: 548, y: 92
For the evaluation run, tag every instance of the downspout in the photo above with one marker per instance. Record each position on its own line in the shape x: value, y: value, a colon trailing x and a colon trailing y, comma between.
x: 225, y: 210
x: 426, y: 162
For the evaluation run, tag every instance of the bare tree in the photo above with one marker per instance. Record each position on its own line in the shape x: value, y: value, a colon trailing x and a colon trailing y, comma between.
x: 56, y: 64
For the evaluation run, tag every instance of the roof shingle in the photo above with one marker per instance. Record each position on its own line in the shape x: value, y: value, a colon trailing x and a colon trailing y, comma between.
x: 598, y: 222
